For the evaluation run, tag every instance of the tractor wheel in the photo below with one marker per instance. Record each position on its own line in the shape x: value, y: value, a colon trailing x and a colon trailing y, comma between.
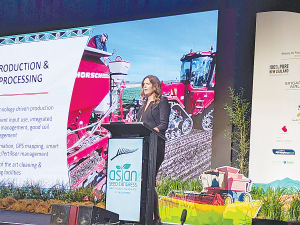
x: 228, y: 199
x: 204, y: 120
x: 207, y: 122
x: 187, y: 126
x: 173, y: 134
x: 168, y: 135
x: 178, y: 133
x: 246, y: 197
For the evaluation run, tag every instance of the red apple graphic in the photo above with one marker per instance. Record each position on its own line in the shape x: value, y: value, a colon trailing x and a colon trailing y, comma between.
x: 284, y: 129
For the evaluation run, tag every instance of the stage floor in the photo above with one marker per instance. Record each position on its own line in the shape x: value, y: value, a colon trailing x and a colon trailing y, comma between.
x: 23, y: 218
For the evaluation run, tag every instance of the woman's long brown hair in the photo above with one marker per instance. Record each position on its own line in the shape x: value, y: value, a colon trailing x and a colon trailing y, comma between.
x: 156, y: 88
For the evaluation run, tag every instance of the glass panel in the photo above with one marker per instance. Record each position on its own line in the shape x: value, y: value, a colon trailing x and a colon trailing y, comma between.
x: 185, y: 72
x: 200, y: 71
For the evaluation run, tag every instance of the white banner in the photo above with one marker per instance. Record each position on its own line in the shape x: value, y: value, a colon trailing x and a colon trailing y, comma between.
x: 36, y: 83
x: 275, y: 121
x: 124, y: 177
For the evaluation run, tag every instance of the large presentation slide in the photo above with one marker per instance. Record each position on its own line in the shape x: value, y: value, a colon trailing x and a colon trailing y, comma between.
x: 37, y: 74
x: 275, y: 121
x: 56, y: 90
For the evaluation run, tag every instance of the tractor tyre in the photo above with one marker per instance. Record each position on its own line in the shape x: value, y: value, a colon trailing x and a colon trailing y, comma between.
x: 207, y: 122
x: 228, y: 199
x: 204, y: 120
x: 187, y: 126
x: 173, y: 134
x: 178, y: 133
x: 246, y: 197
x: 167, y: 134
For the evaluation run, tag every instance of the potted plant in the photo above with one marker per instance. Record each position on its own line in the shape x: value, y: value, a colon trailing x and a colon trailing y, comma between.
x: 239, y: 114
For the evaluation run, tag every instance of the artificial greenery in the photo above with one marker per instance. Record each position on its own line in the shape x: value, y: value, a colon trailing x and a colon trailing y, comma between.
x: 57, y: 192
x: 273, y: 203
x: 167, y: 184
x: 61, y: 192
x: 294, y: 209
x: 239, y: 114
x: 278, y: 203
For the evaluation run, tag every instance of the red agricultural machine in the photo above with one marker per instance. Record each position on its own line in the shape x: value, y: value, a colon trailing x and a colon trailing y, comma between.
x: 95, y: 97
x: 98, y: 92
x: 191, y: 99
x: 221, y: 186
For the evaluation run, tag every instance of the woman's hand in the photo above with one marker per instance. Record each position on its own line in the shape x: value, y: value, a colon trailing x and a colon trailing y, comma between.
x: 156, y: 129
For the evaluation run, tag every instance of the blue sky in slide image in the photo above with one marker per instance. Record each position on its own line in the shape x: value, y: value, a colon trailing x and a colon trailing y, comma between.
x: 155, y: 46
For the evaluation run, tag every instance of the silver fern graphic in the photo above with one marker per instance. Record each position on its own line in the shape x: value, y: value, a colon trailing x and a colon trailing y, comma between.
x: 123, y: 151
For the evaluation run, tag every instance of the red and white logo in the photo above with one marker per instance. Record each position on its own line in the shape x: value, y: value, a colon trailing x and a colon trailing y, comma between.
x: 284, y: 129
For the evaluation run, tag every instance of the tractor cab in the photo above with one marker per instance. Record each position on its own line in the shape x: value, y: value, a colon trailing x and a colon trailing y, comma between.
x: 198, y: 69
x: 191, y: 99
x: 198, y: 75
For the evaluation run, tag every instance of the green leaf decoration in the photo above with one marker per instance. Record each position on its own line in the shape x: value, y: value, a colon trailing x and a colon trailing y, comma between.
x: 126, y: 166
x: 118, y: 167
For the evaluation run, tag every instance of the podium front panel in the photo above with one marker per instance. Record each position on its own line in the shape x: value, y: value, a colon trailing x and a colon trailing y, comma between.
x: 124, y: 177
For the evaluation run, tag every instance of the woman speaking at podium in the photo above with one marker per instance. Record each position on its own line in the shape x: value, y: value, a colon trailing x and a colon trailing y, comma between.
x: 155, y: 113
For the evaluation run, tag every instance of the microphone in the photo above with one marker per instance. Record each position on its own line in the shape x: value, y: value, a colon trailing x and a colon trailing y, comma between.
x: 183, y: 216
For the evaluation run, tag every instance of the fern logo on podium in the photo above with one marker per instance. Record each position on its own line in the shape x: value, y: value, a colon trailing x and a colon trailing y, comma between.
x: 124, y: 176
x: 123, y: 151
